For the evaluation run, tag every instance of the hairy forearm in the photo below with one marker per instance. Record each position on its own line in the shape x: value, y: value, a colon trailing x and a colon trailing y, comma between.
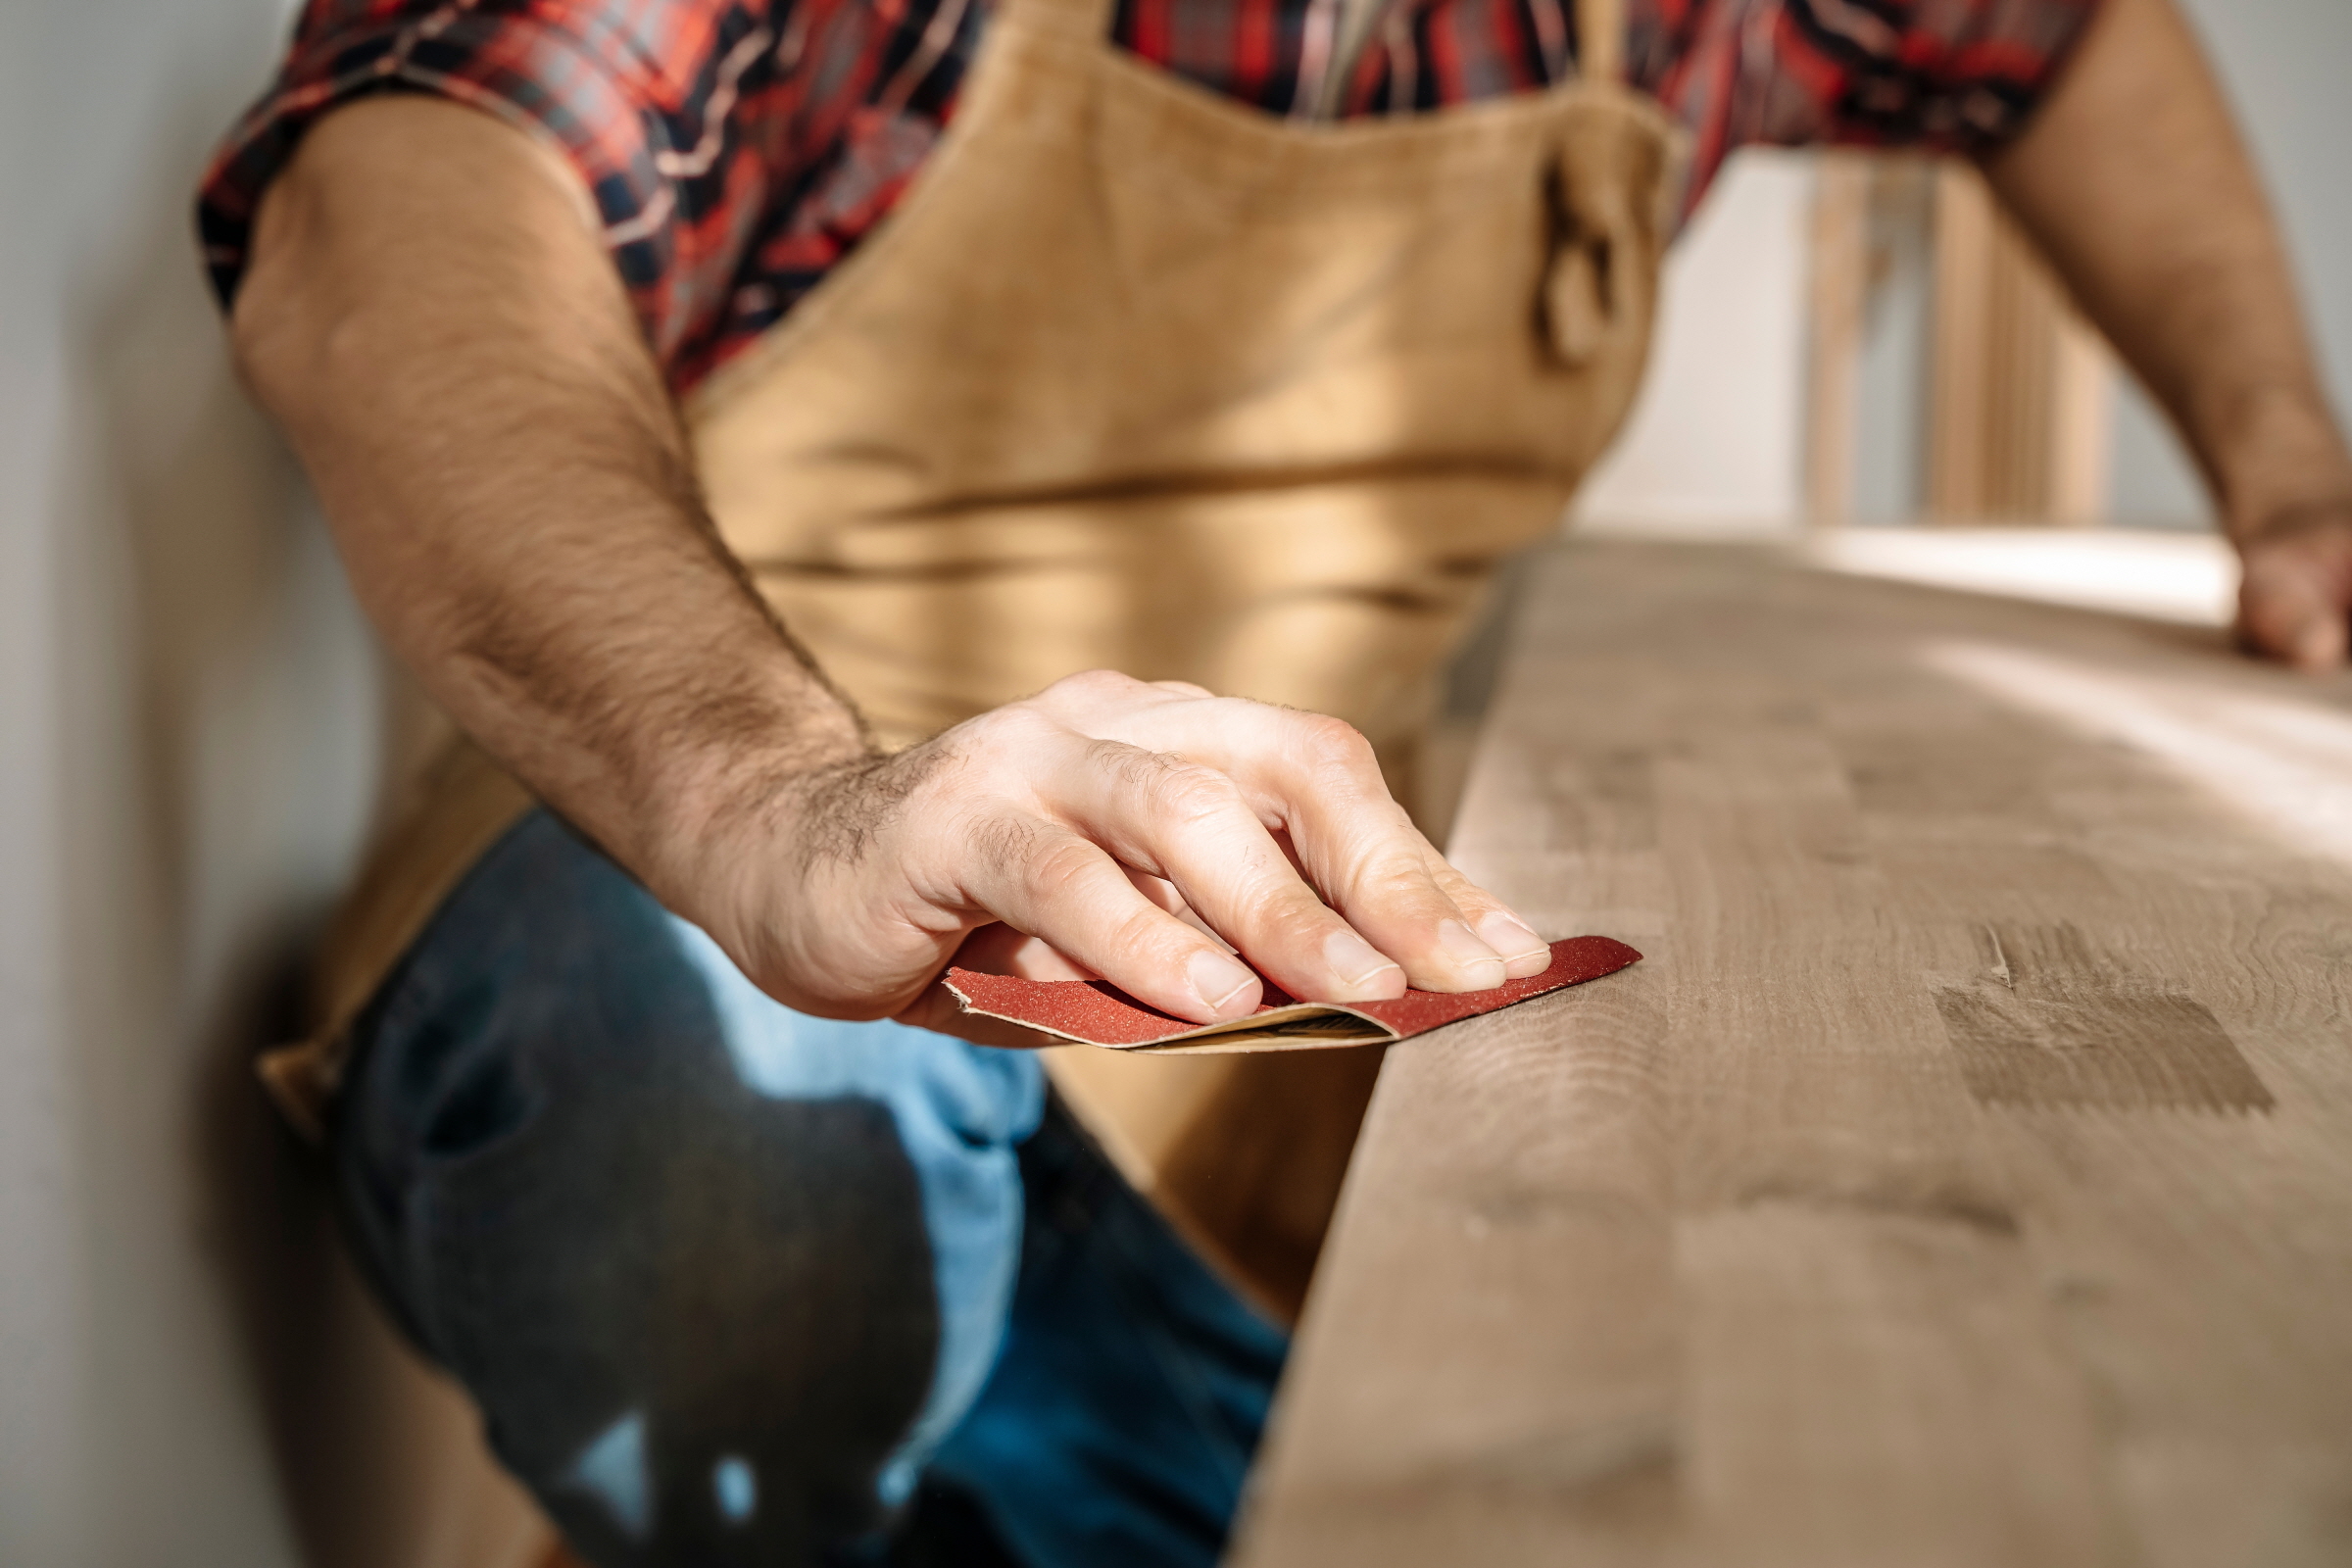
x: 2133, y: 181
x: 431, y: 318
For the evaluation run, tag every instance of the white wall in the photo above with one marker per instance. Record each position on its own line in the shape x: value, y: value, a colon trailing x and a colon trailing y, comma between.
x: 1717, y: 439
x: 1716, y: 442
x: 187, y: 718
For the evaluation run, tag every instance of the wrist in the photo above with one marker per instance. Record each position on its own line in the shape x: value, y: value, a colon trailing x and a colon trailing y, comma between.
x: 2275, y: 458
x: 729, y: 799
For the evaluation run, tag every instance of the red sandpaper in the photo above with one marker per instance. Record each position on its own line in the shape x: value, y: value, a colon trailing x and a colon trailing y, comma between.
x: 1097, y: 1014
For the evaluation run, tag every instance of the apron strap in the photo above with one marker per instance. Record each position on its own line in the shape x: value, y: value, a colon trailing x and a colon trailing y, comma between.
x: 1351, y: 35
x: 1600, y: 39
x: 1077, y: 20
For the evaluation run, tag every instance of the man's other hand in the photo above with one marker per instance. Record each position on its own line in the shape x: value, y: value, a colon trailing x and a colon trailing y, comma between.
x: 1116, y: 828
x: 2296, y: 596
x: 2132, y: 180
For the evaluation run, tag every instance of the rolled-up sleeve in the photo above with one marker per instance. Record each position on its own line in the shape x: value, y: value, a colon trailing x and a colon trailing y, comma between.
x: 1946, y: 76
x: 634, y: 93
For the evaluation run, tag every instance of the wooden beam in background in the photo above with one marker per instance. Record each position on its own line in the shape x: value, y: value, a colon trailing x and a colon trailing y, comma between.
x: 2017, y: 381
x: 2082, y: 429
x: 1841, y: 289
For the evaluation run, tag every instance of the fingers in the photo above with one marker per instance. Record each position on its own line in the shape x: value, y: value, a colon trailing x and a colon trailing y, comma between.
x: 2297, y: 590
x: 1050, y: 881
x: 1497, y: 923
x: 1230, y: 801
x: 1191, y: 824
x: 1316, y: 777
x: 2289, y: 615
x: 1394, y: 887
x: 1362, y: 850
x: 2285, y: 610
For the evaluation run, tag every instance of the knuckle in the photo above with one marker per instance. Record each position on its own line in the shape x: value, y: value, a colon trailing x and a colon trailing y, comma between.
x: 1296, y: 919
x: 1390, y: 882
x: 1091, y: 686
x: 1467, y: 896
x: 1138, y: 934
x: 1170, y: 787
x: 1015, y: 727
x: 1333, y: 744
x: 1058, y: 867
x: 1191, y: 795
x: 1006, y: 751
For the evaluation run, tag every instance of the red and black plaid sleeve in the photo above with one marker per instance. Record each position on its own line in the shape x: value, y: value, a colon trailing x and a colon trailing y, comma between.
x: 738, y: 149
x: 735, y: 149
x: 1950, y: 75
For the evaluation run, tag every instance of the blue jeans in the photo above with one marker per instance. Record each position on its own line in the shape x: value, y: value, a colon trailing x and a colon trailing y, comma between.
x: 735, y: 1285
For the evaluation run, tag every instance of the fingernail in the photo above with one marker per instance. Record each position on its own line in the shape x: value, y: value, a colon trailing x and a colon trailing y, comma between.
x: 1460, y: 944
x: 1523, y: 952
x: 1217, y: 980
x: 1356, y: 962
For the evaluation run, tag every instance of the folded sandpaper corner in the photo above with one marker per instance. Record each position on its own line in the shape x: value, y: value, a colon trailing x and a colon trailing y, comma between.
x: 1095, y: 1012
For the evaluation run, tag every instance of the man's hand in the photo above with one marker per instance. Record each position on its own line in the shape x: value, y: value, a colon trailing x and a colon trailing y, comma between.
x: 2132, y: 180
x: 1122, y: 826
x: 2295, y: 599
x: 432, y: 318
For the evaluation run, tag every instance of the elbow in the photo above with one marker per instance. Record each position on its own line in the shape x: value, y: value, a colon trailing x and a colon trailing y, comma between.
x: 290, y: 324
x: 273, y: 329
x: 268, y: 322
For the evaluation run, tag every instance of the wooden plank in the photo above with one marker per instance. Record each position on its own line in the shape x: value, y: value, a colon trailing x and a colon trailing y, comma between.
x: 1962, y: 368
x: 1965, y: 1179
x: 1839, y: 252
x: 2083, y: 422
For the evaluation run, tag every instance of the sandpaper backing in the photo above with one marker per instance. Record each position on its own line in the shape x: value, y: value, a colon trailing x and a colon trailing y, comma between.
x: 1096, y: 1012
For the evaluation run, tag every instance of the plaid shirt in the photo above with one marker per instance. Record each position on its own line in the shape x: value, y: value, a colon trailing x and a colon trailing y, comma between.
x: 738, y: 149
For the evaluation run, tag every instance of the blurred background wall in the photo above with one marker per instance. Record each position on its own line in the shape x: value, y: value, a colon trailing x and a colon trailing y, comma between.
x: 191, y: 722
x: 189, y: 712
x: 1718, y: 440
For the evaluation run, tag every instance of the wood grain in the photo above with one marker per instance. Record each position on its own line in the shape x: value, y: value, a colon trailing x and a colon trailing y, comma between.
x: 1966, y: 1178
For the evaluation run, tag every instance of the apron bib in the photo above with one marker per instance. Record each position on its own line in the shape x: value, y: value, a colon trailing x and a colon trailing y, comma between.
x: 1139, y: 378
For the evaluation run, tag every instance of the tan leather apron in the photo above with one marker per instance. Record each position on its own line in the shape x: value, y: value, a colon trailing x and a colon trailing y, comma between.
x: 1136, y: 377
